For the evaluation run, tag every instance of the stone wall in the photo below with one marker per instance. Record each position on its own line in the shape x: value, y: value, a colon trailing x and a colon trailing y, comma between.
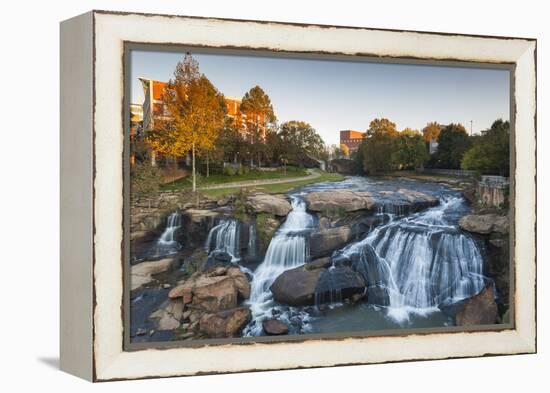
x: 492, y: 191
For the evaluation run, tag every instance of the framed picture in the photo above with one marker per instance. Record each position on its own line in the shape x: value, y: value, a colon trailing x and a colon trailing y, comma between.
x: 247, y: 195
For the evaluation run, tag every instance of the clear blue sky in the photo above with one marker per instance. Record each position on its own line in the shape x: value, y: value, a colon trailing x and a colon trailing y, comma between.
x: 335, y: 95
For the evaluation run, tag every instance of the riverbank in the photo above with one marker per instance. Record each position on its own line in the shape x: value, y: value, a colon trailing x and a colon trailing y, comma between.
x: 276, y: 187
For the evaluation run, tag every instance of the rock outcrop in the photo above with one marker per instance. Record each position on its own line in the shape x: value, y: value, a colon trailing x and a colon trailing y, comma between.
x: 418, y: 199
x: 308, y: 284
x: 277, y: 205
x: 346, y: 200
x: 323, y: 242
x: 480, y: 309
x: 337, y: 284
x: 351, y: 201
x: 142, y: 273
x: 214, y: 294
x: 227, y: 323
x: 296, y: 287
x: 168, y: 316
x: 207, y: 304
x: 485, y: 223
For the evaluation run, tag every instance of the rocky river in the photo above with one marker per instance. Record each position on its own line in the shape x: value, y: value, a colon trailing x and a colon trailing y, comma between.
x: 362, y: 254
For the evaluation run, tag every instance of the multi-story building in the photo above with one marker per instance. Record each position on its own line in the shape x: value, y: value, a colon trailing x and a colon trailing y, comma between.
x: 136, y: 124
x: 245, y: 123
x: 153, y: 106
x: 154, y: 110
x: 352, y: 139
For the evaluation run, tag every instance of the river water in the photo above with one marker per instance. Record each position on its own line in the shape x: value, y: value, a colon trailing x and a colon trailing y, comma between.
x: 412, y: 263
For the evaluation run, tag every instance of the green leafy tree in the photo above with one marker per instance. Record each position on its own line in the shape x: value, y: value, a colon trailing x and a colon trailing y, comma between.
x: 230, y: 144
x: 378, y: 146
x: 298, y: 139
x: 491, y: 151
x: 410, y: 150
x: 257, y: 107
x: 453, y: 142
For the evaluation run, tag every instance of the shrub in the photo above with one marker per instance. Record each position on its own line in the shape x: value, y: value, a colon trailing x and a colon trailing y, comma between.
x: 145, y: 180
x: 229, y: 171
x: 239, y: 206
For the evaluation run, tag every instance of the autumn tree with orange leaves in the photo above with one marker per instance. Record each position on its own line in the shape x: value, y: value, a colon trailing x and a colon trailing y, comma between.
x: 196, y: 112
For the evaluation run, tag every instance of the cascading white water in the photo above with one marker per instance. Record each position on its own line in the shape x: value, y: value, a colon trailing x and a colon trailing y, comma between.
x: 252, y: 241
x: 417, y: 263
x: 225, y: 237
x: 288, y: 249
x: 167, y: 243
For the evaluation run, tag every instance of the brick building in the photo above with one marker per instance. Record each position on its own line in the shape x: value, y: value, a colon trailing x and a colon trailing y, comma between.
x: 154, y: 109
x: 352, y: 139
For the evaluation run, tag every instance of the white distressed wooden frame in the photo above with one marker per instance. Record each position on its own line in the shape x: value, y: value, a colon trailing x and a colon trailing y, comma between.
x: 92, y: 195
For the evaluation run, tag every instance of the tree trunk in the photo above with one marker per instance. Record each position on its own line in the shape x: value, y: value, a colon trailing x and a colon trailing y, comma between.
x: 153, y: 158
x: 194, y: 173
x: 207, y: 164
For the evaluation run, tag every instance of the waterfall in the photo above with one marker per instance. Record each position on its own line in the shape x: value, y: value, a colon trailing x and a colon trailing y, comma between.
x: 419, y: 262
x: 288, y: 249
x: 225, y: 237
x: 167, y: 243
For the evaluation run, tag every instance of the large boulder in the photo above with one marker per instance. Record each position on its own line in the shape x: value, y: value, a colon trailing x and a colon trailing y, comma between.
x: 274, y: 327
x: 480, y: 309
x: 346, y: 200
x: 169, y: 316
x: 241, y: 282
x: 338, y: 283
x: 227, y: 323
x: 325, y: 241
x: 143, y: 272
x: 277, y: 205
x: 296, y: 287
x: 214, y: 294
x: 485, y: 223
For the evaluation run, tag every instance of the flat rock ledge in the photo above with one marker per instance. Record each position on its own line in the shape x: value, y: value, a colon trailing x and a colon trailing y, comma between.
x: 485, y: 223
x: 340, y: 199
x: 351, y: 201
x: 142, y: 273
x: 276, y: 204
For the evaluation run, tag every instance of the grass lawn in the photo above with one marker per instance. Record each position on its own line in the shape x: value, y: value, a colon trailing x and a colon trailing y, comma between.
x: 275, y: 188
x: 280, y: 173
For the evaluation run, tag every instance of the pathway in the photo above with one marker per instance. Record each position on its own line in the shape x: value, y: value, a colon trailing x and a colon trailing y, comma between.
x: 251, y: 183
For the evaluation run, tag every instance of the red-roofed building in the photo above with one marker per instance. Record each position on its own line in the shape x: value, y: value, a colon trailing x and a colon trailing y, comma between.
x: 352, y: 139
